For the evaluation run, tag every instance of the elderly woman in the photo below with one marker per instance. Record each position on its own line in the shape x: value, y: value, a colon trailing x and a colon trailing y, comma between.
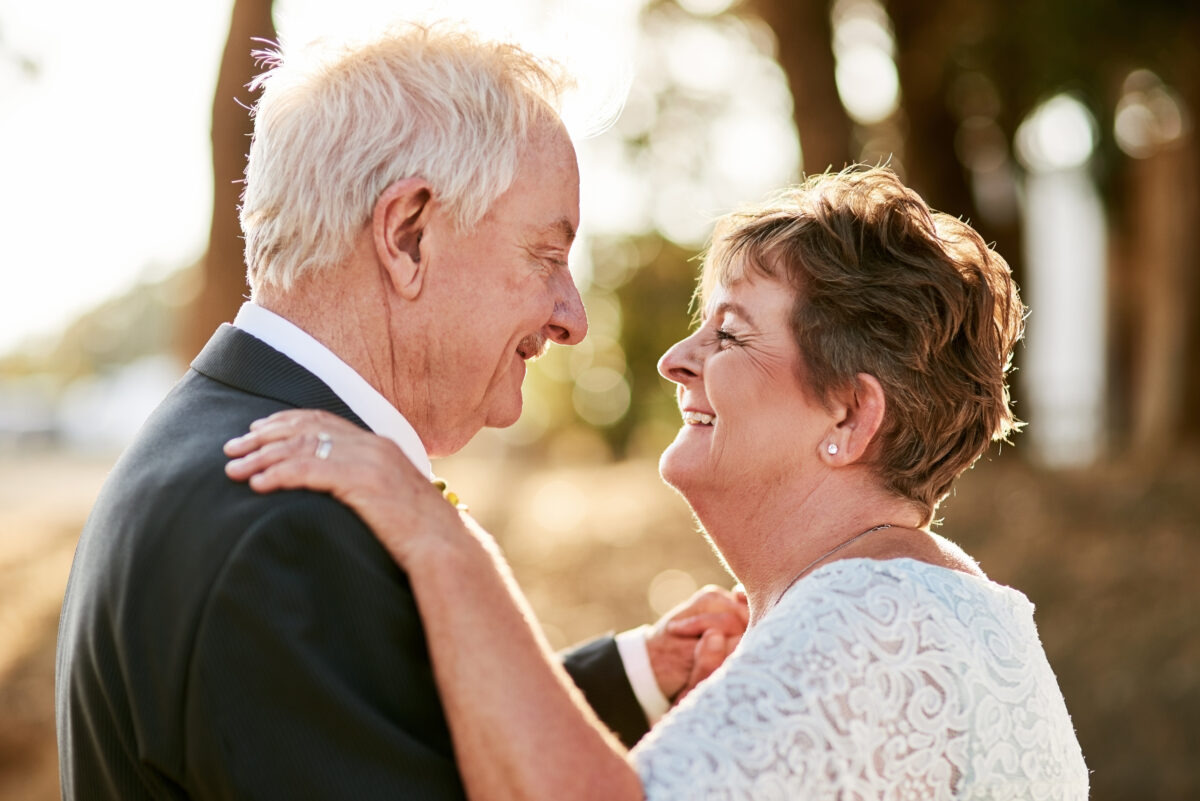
x: 849, y: 365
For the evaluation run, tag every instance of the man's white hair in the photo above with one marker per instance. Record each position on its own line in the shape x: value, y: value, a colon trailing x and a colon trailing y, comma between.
x: 336, y: 125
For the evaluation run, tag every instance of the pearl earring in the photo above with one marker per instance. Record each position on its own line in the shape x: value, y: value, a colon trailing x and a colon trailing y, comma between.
x: 833, y: 449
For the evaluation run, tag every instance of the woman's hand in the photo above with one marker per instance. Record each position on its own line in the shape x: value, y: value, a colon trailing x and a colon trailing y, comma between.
x: 316, y: 450
x: 692, y: 640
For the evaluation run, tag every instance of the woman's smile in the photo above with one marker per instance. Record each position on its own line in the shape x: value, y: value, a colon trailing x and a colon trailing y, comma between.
x: 698, y: 418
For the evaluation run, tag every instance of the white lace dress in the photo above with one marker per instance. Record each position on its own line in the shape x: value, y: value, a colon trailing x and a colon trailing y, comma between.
x: 875, y: 680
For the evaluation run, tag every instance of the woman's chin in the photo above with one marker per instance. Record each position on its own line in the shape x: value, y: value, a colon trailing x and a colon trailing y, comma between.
x: 677, y: 469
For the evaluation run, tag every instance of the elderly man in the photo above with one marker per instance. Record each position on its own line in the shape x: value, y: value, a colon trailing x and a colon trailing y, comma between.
x: 408, y: 212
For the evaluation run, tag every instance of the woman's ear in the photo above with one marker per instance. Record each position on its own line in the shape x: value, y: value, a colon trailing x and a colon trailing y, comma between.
x: 859, y: 412
x: 398, y: 224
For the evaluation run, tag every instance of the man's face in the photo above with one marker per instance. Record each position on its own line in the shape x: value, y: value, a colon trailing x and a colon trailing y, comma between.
x: 501, y: 292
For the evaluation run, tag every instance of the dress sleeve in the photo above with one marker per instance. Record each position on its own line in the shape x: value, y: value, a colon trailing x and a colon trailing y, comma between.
x: 309, y: 676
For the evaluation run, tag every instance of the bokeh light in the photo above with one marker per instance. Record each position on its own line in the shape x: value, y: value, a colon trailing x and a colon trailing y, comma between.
x: 1058, y: 135
x: 709, y: 8
x: 867, y: 80
x: 1149, y: 116
x: 559, y: 505
x: 669, y: 588
x: 601, y: 396
x: 1064, y: 371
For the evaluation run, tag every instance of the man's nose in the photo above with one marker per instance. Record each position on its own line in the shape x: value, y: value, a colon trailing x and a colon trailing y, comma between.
x: 568, y: 323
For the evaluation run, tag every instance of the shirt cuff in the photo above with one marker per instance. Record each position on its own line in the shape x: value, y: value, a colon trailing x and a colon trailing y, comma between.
x: 631, y: 645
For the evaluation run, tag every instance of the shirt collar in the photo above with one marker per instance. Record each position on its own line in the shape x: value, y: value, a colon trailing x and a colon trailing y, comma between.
x: 363, y: 399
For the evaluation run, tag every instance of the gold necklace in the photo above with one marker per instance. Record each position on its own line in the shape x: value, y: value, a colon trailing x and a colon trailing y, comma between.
x: 828, y: 554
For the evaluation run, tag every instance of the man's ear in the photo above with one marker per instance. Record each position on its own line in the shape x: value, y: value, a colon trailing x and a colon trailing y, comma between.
x: 859, y: 410
x: 398, y: 223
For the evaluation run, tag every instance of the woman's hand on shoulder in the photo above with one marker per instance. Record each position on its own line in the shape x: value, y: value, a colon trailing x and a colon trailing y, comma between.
x: 316, y: 450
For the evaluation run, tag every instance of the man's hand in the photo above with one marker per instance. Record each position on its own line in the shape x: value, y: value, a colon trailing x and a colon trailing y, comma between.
x: 693, y: 639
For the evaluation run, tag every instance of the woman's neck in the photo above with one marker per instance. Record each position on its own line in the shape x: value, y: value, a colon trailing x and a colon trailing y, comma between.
x: 770, y: 539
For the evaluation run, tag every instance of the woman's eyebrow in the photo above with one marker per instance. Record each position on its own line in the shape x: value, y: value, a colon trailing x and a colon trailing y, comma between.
x: 730, y: 306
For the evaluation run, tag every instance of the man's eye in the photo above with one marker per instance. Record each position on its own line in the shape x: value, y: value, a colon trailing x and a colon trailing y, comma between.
x: 552, y: 264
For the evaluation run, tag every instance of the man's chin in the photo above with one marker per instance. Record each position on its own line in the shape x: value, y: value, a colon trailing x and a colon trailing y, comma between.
x: 505, y: 415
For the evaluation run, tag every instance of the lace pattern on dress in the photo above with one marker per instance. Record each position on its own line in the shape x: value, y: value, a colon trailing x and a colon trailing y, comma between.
x: 876, y: 680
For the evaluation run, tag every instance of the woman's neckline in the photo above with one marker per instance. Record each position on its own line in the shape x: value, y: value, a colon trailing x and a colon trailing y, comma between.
x: 910, y: 562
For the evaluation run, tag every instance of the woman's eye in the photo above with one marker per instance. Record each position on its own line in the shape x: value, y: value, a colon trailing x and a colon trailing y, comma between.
x: 725, y: 338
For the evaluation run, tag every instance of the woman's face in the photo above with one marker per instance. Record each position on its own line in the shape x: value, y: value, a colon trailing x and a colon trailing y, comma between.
x: 748, y: 420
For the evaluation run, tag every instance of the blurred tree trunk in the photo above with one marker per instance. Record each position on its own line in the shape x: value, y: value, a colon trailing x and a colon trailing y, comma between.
x: 934, y: 39
x: 928, y: 33
x: 1188, y: 75
x: 1163, y: 214
x: 1189, y: 363
x: 223, y: 274
x: 933, y: 44
x: 1163, y: 211
x: 1156, y: 292
x: 805, y: 38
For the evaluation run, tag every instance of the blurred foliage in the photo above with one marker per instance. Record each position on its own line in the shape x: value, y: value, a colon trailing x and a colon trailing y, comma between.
x: 143, y: 321
x: 654, y: 302
x: 637, y: 308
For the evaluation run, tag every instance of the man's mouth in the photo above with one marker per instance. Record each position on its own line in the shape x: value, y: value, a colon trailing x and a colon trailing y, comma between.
x: 698, y: 418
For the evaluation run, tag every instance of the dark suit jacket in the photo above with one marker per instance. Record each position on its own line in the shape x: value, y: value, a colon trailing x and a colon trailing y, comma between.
x: 219, y: 644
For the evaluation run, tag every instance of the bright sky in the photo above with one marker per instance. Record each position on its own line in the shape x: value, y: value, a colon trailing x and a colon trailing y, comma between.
x: 104, y: 152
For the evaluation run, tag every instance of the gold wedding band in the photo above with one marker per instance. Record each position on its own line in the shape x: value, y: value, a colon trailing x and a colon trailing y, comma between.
x: 324, y: 445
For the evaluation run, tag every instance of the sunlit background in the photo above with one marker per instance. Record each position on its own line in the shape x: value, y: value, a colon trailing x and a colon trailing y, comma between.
x: 1064, y: 131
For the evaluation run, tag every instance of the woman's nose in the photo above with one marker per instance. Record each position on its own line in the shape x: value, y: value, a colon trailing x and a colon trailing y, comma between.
x: 679, y: 363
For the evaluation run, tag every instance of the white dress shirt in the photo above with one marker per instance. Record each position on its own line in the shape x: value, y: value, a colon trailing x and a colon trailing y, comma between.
x: 636, y: 659
x: 384, y: 419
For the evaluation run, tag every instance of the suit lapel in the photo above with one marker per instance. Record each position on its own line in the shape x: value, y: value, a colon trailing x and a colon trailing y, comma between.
x: 240, y: 360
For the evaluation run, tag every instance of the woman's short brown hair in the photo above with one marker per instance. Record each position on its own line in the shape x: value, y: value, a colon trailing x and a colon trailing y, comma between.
x: 886, y: 286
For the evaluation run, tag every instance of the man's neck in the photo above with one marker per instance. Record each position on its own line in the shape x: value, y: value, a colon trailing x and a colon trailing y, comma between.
x: 371, y: 407
x: 328, y: 329
x: 352, y: 323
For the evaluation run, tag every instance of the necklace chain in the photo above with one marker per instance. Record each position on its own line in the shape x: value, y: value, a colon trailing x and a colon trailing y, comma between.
x: 828, y: 554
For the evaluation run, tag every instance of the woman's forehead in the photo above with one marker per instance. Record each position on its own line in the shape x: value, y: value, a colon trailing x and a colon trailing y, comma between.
x: 721, y: 270
x: 752, y: 295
